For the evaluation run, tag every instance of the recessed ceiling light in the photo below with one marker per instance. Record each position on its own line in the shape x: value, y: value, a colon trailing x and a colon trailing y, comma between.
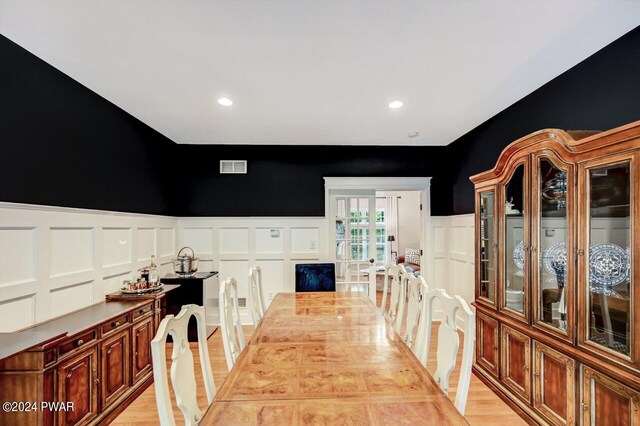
x: 396, y: 104
x: 225, y: 101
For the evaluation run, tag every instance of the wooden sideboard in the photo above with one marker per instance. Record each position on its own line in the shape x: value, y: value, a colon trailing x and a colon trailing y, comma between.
x: 98, y: 358
x: 558, y: 276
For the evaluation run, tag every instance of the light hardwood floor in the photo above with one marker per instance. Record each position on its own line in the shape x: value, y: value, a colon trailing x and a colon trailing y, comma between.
x: 483, y: 406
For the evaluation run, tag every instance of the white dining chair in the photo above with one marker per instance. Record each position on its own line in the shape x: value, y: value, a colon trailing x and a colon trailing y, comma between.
x: 392, y: 289
x: 416, y: 288
x: 449, y: 342
x: 230, y: 323
x: 258, y: 306
x: 182, y: 366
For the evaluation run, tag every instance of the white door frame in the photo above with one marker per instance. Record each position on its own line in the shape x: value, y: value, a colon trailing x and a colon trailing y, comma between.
x: 422, y: 184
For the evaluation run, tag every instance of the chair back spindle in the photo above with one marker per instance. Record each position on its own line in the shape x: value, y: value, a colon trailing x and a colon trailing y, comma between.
x: 453, y: 308
x: 392, y: 289
x: 182, y: 366
x: 416, y: 305
x: 230, y: 323
x: 258, y: 307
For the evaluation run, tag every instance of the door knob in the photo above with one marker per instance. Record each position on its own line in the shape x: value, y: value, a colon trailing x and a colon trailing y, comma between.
x: 372, y: 260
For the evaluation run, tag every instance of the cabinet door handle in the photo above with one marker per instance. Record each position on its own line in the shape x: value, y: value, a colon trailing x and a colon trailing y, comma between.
x: 536, y: 375
x: 80, y: 342
x: 115, y: 324
x: 585, y: 407
x: 526, y: 368
x: 96, y: 381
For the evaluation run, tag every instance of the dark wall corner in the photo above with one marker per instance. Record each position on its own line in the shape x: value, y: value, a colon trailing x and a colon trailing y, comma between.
x: 600, y: 93
x: 64, y: 145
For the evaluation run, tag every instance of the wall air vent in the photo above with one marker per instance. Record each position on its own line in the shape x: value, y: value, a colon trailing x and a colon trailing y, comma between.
x: 233, y: 166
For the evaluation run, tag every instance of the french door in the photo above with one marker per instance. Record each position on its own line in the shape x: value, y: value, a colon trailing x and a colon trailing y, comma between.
x: 355, y: 242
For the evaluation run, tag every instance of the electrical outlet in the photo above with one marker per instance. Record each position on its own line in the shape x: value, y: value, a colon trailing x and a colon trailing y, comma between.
x: 312, y: 245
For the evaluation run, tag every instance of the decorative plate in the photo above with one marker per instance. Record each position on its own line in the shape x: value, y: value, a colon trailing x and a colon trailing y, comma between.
x: 518, y: 257
x: 555, y: 255
x: 142, y: 291
x: 608, y: 266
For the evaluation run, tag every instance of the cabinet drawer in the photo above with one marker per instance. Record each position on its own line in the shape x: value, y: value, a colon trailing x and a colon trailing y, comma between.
x: 142, y: 311
x: 115, y: 324
x: 78, y: 341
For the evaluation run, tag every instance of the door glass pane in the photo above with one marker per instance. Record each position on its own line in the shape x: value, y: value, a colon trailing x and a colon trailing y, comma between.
x: 487, y: 246
x: 609, y: 256
x: 341, y: 208
x: 514, y: 241
x: 552, y: 244
x: 341, y: 271
x: 341, y: 237
x: 364, y: 210
x: 354, y: 211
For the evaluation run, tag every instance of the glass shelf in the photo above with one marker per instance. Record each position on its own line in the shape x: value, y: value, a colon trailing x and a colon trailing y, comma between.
x: 486, y: 238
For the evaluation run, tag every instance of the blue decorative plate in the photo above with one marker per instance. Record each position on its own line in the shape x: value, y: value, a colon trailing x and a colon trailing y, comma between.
x: 608, y: 266
x: 555, y: 255
x: 518, y: 257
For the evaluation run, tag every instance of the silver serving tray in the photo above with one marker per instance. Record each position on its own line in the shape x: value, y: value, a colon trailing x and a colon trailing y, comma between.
x: 141, y: 291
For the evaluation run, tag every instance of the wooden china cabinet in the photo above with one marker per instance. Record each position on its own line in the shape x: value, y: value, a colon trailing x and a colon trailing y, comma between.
x: 558, y: 276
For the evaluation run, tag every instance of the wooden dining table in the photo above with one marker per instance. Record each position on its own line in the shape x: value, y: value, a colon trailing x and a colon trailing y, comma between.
x: 328, y: 359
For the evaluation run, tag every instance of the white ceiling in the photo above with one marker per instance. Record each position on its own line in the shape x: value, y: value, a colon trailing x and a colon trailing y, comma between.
x: 314, y: 72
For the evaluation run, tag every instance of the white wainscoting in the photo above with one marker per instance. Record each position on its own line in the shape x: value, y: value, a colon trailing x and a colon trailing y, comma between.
x: 233, y: 245
x: 56, y: 260
x: 453, y: 255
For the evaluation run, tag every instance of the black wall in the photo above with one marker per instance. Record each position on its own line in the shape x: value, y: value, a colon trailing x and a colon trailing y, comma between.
x: 287, y: 180
x: 63, y: 145
x: 600, y: 93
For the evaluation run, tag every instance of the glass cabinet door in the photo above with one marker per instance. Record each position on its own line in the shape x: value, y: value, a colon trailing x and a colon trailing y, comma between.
x: 607, y: 252
x: 515, y: 253
x: 551, y: 274
x: 486, y: 246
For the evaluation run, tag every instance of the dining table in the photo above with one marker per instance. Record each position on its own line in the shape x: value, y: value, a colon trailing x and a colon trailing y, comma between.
x: 328, y: 358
